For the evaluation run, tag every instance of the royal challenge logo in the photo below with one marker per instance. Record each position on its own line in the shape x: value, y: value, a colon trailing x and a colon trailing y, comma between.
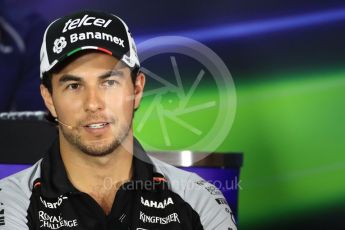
x: 48, y: 221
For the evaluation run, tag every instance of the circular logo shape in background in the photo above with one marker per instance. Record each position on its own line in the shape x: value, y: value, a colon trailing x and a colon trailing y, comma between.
x: 189, y: 101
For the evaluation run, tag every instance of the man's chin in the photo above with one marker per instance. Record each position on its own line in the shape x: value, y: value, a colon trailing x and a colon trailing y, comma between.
x: 99, y: 150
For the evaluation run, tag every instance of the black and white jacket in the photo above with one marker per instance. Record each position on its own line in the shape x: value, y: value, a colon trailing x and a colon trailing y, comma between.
x: 159, y: 196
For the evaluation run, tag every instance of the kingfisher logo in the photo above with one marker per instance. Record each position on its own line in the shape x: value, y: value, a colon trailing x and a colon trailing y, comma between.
x: 173, y: 217
x: 85, y: 21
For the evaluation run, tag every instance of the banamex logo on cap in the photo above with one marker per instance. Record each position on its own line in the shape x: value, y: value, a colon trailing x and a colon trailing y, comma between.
x: 59, y: 45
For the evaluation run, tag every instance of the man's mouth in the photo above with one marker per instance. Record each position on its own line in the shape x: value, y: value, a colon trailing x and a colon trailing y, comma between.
x: 97, y: 125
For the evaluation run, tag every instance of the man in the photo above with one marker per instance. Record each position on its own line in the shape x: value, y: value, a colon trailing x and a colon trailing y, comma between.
x: 97, y: 175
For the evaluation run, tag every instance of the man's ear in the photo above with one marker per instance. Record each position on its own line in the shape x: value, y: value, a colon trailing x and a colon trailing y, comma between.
x: 48, y: 100
x: 139, y: 89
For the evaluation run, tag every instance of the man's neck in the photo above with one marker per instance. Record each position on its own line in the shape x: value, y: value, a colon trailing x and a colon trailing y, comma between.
x: 100, y: 177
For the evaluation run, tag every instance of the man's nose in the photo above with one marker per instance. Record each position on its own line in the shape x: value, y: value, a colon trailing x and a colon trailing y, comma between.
x: 94, y: 100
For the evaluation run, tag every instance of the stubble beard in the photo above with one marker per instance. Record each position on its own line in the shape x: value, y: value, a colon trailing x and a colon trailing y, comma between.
x: 101, y: 149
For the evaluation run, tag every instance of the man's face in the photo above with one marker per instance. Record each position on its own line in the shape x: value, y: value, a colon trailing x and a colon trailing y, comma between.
x: 95, y: 95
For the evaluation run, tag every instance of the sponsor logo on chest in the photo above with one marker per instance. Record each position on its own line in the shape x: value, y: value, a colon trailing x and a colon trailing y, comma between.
x: 55, y: 222
x: 53, y: 205
x: 173, y: 217
x: 157, y: 204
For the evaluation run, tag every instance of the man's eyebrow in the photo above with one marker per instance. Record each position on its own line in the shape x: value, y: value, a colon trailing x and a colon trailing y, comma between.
x: 111, y: 73
x: 69, y: 77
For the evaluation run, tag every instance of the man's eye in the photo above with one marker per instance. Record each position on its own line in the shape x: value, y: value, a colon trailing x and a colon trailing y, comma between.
x: 110, y: 83
x: 73, y: 86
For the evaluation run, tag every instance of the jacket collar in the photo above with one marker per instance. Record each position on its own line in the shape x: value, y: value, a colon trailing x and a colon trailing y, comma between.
x: 54, y: 180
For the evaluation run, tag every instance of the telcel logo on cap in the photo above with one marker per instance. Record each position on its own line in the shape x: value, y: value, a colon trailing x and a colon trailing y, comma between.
x: 87, y: 30
x: 85, y: 21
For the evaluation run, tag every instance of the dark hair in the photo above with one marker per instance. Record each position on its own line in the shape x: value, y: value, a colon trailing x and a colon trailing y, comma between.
x: 47, y: 82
